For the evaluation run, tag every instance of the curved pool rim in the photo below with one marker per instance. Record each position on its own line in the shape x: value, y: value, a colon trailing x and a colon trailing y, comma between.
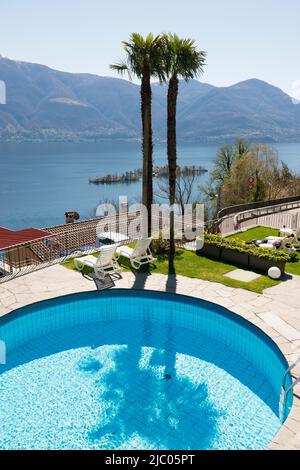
x: 22, y: 311
x: 187, y: 299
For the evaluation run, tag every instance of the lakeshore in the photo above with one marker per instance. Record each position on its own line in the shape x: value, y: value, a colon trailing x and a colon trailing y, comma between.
x: 53, y: 178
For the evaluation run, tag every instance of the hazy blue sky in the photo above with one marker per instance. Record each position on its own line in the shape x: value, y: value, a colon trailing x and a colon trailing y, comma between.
x: 243, y: 38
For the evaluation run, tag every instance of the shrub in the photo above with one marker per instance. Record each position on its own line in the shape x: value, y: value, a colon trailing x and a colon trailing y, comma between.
x: 160, y: 247
x: 240, y: 246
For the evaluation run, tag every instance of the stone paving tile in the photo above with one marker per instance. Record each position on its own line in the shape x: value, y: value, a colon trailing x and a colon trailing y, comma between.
x: 281, y: 307
x: 260, y: 301
x: 225, y: 293
x: 295, y: 415
x: 288, y: 350
x: 274, y: 446
x: 273, y: 333
x: 19, y: 289
x: 6, y: 294
x: 3, y: 311
x: 292, y: 319
x: 281, y: 326
x: 284, y: 435
x: 246, y: 294
x: 242, y: 275
x: 8, y: 301
x: 271, y: 319
x: 289, y: 332
x: 248, y: 307
x: 227, y: 303
x: 241, y: 310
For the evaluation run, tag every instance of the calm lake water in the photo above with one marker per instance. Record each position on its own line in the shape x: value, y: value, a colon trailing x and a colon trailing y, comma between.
x: 39, y: 182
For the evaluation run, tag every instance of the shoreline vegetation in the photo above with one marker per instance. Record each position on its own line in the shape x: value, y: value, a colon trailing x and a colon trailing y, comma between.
x: 61, y: 136
x: 244, y: 172
x: 136, y: 175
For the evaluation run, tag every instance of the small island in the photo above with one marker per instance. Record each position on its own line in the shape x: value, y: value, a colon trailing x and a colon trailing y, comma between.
x: 136, y: 175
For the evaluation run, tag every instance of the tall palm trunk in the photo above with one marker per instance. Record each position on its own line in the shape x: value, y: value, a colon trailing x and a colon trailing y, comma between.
x: 147, y: 145
x: 172, y: 161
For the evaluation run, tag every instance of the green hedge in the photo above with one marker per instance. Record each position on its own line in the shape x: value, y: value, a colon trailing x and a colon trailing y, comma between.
x: 277, y: 256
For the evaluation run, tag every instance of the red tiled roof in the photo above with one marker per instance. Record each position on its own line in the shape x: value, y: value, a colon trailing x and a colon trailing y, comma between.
x: 9, y: 238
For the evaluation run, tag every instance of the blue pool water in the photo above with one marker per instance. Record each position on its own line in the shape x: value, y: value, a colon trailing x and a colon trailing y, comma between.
x: 136, y: 370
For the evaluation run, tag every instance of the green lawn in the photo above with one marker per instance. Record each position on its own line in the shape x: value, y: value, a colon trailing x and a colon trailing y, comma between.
x: 191, y: 265
x: 259, y: 233
x: 256, y: 233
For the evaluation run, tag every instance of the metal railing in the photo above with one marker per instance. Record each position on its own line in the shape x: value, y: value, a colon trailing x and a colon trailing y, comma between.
x: 275, y: 216
x: 231, y: 210
x: 68, y: 240
x: 65, y: 242
x: 285, y: 390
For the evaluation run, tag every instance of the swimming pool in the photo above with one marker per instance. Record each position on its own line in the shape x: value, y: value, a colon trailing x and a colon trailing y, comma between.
x: 125, y: 369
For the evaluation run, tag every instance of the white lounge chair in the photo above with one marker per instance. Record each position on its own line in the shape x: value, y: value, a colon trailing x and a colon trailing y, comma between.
x: 267, y: 246
x: 106, y: 262
x: 278, y: 242
x: 284, y: 232
x: 270, y: 242
x: 273, y: 238
x: 288, y: 243
x: 140, y: 254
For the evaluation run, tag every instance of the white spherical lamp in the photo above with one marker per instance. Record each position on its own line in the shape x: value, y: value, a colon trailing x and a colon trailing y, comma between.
x: 274, y: 273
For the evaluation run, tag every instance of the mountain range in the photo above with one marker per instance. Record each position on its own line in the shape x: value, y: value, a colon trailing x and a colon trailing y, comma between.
x: 46, y: 104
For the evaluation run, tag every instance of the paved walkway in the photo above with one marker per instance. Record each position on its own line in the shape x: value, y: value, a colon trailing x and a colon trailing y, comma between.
x: 276, y: 311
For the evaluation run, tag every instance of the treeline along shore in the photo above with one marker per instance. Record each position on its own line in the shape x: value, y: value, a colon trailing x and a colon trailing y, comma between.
x: 136, y: 175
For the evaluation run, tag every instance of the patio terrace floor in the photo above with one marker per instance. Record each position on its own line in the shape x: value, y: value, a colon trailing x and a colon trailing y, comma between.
x: 276, y: 311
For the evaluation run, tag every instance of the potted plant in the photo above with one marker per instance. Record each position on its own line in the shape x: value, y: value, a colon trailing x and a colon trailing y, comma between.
x: 211, y: 247
x: 239, y: 253
x: 262, y: 261
x: 235, y: 256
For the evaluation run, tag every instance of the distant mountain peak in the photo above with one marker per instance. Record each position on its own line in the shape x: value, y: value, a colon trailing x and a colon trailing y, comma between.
x: 43, y: 103
x: 256, y: 82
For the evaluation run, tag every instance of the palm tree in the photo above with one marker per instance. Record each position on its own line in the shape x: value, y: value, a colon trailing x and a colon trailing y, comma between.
x: 181, y: 60
x: 143, y: 60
